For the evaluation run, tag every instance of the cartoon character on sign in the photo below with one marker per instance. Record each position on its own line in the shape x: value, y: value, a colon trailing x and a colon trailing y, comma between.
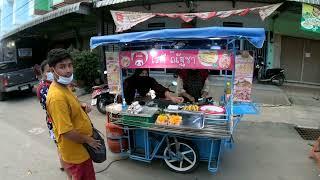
x: 139, y: 58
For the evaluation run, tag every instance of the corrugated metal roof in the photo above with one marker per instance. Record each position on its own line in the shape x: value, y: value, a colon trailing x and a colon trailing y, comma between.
x: 317, y: 2
x: 51, y: 15
x: 110, y: 2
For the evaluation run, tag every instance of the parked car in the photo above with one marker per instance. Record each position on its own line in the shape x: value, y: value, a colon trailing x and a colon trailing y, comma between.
x: 15, y: 78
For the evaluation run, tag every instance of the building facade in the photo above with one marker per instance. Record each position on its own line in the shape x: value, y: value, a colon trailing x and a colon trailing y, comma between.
x: 286, y: 45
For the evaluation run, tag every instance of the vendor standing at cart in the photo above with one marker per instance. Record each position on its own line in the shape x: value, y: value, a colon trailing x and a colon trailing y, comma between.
x: 140, y: 83
x: 193, y: 84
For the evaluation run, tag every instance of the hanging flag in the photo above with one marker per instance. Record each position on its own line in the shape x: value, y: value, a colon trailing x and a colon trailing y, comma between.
x: 266, y: 11
x: 125, y: 20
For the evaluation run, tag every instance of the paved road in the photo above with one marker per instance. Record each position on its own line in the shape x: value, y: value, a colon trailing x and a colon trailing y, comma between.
x: 264, y: 151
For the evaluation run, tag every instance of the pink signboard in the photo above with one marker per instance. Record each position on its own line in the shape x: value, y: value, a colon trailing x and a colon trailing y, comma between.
x: 177, y: 59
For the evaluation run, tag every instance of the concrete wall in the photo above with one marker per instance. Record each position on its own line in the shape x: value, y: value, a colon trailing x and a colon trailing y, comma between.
x: 276, y: 51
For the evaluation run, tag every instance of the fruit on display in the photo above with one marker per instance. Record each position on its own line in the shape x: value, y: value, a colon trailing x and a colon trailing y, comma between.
x: 175, y: 120
x: 162, y: 119
x: 191, y: 108
x: 167, y: 119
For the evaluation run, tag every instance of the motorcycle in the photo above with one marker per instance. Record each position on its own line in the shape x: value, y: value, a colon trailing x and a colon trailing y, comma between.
x: 275, y: 75
x: 101, y: 97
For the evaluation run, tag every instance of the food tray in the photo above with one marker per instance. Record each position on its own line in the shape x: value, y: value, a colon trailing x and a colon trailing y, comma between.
x: 144, y: 119
x: 190, y: 120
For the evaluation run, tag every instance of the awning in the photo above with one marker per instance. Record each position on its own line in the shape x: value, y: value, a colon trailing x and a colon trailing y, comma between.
x: 73, y: 8
x: 255, y: 36
x: 110, y: 2
x: 317, y: 2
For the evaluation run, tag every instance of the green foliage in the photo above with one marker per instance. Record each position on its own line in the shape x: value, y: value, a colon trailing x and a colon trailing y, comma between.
x: 86, y: 67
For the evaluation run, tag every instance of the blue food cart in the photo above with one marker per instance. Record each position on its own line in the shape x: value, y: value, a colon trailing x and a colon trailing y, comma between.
x: 201, y: 135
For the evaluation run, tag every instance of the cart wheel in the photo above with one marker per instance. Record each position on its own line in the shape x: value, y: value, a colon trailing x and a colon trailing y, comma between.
x: 185, y: 160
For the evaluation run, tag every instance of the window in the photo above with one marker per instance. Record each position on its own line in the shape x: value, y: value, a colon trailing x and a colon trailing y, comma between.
x: 156, y: 25
x: 214, y: 72
x: 232, y: 24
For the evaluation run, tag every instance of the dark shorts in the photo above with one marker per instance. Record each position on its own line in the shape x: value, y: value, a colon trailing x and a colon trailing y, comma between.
x: 83, y: 171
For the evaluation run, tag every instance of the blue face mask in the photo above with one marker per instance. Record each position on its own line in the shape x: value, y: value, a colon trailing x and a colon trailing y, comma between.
x: 65, y: 80
x: 50, y: 76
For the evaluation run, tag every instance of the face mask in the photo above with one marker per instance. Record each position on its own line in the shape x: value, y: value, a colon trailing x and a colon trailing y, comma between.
x: 64, y: 80
x: 50, y: 76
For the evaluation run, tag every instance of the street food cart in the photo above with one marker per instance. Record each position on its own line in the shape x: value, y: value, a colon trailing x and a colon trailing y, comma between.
x: 181, y: 134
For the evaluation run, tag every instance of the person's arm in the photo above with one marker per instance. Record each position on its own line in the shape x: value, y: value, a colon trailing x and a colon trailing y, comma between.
x: 158, y: 88
x: 163, y: 92
x: 59, y: 111
x: 82, y: 139
x: 182, y: 92
x: 128, y: 91
x: 179, y: 89
x: 188, y: 96
x: 173, y: 98
x: 86, y: 107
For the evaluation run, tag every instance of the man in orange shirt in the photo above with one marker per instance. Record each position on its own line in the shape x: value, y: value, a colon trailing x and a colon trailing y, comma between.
x: 71, y: 124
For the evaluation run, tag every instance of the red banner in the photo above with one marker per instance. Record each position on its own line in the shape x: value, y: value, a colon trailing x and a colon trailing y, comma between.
x: 177, y: 59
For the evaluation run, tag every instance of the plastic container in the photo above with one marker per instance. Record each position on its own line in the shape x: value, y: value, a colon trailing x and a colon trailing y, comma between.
x: 138, y: 121
x: 114, y: 130
x: 114, y: 145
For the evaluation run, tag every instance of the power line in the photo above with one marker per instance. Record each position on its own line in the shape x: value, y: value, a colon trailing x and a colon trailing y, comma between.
x: 16, y: 10
x: 17, y: 14
x: 24, y: 5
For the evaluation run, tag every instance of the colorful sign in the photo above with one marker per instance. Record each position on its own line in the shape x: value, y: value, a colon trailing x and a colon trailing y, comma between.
x: 125, y: 20
x: 244, y: 65
x: 310, y: 20
x: 177, y: 59
x: 113, y: 69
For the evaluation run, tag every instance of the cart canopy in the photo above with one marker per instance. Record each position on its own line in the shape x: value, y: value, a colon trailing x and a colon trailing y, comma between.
x: 255, y: 36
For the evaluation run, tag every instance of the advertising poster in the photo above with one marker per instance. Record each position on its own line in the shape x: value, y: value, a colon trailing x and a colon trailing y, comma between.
x: 244, y: 65
x: 113, y: 69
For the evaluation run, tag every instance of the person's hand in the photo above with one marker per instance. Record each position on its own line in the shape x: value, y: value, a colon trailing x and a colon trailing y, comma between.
x: 93, y: 143
x: 86, y: 107
x: 205, y: 94
x: 177, y: 100
x: 192, y: 99
x: 173, y: 98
